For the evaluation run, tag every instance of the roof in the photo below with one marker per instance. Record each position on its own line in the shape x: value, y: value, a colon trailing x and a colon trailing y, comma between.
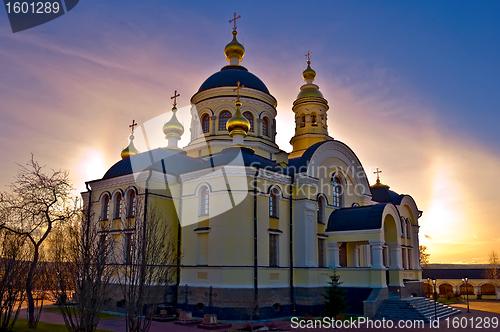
x: 356, y: 218
x: 453, y: 273
x: 384, y: 195
x: 177, y: 162
x: 298, y: 165
x: 230, y: 76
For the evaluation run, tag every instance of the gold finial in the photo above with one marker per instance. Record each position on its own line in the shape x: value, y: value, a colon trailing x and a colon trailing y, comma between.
x: 234, y: 20
x: 130, y: 150
x: 173, y: 129
x: 309, y: 74
x: 237, y: 89
x: 175, y: 98
x: 378, y: 184
x: 133, y: 125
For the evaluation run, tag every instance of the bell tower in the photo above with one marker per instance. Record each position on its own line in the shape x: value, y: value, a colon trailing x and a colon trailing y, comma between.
x: 310, y: 109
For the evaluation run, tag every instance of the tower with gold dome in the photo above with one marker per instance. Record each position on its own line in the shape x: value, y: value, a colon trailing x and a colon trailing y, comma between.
x: 253, y: 224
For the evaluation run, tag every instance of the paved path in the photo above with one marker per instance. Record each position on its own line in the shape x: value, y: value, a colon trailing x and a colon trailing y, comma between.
x: 480, y: 310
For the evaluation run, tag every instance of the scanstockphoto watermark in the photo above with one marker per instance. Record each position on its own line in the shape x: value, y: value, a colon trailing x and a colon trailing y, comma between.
x: 356, y: 323
x: 27, y: 14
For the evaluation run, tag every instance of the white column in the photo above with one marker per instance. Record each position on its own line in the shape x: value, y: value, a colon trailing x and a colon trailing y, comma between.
x: 368, y: 255
x: 415, y: 252
x: 356, y: 256
x: 333, y: 254
x: 377, y: 252
x: 396, y: 256
x: 214, y: 123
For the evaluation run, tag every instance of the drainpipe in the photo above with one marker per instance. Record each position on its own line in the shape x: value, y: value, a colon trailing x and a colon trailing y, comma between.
x: 143, y: 263
x: 88, y: 208
x: 178, y: 263
x: 255, y: 270
x: 292, y: 291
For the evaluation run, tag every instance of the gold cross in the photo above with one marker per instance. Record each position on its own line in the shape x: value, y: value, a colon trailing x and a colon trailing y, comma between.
x: 234, y: 20
x: 133, y: 125
x: 378, y: 173
x: 307, y: 55
x: 175, y: 97
x: 238, y: 87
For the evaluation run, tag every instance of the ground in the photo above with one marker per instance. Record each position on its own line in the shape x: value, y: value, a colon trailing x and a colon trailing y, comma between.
x: 479, y: 310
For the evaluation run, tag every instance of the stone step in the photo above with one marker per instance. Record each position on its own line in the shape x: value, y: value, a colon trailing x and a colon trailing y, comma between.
x: 414, y: 309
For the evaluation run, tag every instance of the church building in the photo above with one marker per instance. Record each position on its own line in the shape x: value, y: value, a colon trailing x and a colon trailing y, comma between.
x: 256, y: 224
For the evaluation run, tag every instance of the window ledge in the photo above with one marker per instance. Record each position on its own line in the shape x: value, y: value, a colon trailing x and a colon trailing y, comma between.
x: 201, y: 230
x: 274, y: 231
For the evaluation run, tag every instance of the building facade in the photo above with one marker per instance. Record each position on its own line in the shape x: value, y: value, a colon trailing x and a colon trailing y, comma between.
x: 254, y: 223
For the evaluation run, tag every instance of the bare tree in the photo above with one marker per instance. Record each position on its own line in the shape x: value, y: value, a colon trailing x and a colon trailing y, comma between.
x: 493, y: 271
x: 37, y: 201
x: 81, y: 275
x: 148, y: 267
x: 423, y: 256
x: 13, y: 271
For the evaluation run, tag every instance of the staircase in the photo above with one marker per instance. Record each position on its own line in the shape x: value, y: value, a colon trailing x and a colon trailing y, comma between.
x: 412, y: 308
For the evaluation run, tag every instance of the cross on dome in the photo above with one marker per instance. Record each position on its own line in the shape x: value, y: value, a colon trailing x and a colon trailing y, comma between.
x: 234, y: 21
x: 308, y: 56
x: 378, y: 174
x: 174, y: 97
x: 238, y: 87
x: 133, y: 125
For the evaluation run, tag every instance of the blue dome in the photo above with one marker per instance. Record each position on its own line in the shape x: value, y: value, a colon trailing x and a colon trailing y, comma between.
x: 230, y: 75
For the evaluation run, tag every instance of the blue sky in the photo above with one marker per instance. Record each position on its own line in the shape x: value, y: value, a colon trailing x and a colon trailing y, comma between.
x: 413, y: 88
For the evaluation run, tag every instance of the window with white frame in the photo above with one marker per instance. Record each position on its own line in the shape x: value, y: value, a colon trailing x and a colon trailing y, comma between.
x: 118, y: 206
x: 337, y: 192
x: 105, y: 208
x: 131, y: 204
x: 274, y: 203
x: 204, y: 201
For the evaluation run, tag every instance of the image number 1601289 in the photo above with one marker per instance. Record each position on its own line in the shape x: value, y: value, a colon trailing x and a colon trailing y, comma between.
x: 33, y: 8
x: 31, y: 13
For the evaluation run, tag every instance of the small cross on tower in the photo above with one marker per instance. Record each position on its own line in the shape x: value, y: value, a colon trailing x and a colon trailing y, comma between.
x: 175, y: 97
x: 238, y: 87
x: 308, y: 56
x: 378, y: 174
x: 133, y: 125
x: 234, y: 20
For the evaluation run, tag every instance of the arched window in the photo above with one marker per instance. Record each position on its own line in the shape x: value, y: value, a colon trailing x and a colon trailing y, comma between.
x: 408, y: 228
x: 265, y: 127
x: 131, y: 204
x: 117, y: 212
x: 273, y: 203
x: 105, y: 208
x: 223, y: 117
x: 337, y: 192
x: 403, y: 226
x: 302, y: 121
x: 321, y: 210
x: 314, y: 120
x: 205, y: 123
x: 249, y: 117
x: 204, y: 201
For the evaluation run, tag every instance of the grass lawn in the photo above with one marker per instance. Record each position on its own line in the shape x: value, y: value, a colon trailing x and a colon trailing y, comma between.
x: 450, y: 301
x: 102, y: 315
x: 22, y: 326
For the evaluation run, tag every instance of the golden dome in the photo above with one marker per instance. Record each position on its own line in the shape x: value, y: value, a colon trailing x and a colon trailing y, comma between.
x: 238, y: 124
x: 309, y: 73
x: 234, y: 49
x: 173, y: 128
x: 130, y: 150
x: 310, y: 90
x: 378, y: 184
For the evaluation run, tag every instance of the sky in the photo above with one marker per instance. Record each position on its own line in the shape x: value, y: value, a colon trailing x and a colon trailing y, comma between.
x: 412, y: 87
